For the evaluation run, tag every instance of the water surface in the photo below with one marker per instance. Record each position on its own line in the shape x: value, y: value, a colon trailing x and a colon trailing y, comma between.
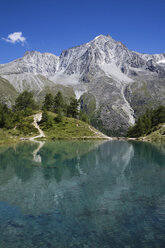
x: 82, y: 194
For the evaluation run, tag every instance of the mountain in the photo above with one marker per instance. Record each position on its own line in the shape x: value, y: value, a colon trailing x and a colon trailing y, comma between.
x: 115, y: 84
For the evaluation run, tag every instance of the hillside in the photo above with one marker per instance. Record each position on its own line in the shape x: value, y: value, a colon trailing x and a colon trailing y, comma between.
x: 8, y: 93
x: 69, y: 128
x: 158, y: 135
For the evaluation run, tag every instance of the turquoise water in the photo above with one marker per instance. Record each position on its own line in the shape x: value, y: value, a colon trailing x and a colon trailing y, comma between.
x: 82, y: 194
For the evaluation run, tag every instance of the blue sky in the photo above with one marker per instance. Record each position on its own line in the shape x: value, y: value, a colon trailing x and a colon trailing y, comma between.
x: 55, y: 25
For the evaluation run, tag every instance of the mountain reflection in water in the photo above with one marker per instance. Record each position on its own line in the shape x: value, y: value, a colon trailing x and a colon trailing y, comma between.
x: 82, y: 194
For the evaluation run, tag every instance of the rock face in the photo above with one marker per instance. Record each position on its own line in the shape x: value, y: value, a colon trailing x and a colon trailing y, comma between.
x: 123, y: 83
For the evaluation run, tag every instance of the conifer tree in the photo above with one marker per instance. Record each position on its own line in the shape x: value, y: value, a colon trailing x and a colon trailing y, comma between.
x: 48, y: 102
x: 25, y: 100
x: 58, y: 102
x: 59, y: 116
x: 147, y: 122
x: 140, y: 127
x: 83, y: 116
x: 46, y: 121
x: 72, y: 109
x: 6, y: 117
x: 45, y: 116
x: 158, y: 116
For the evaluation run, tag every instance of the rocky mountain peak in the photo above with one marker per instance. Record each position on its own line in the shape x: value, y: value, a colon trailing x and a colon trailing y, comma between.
x: 30, y: 53
x: 102, y: 55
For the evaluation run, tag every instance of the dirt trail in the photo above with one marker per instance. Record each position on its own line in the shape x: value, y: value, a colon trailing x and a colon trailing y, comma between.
x: 37, y: 118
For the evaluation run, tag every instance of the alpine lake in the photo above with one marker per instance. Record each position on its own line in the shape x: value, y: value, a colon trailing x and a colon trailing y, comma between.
x: 82, y: 194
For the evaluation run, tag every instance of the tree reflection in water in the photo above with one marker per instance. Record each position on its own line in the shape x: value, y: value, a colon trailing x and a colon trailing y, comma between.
x: 74, y: 193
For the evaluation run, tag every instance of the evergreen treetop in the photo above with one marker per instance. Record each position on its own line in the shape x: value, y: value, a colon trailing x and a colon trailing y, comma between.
x: 58, y: 102
x: 25, y: 100
x: 48, y: 102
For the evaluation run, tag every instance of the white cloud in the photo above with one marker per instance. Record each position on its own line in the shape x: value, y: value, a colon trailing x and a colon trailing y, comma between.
x: 15, y: 37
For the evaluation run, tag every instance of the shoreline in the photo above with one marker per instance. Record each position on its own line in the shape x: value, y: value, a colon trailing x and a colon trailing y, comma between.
x: 99, y: 136
x: 30, y: 139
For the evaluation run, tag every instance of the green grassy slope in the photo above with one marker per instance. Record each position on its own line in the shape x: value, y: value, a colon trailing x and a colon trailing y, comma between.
x: 7, y: 92
x: 69, y: 128
x: 146, y: 95
x: 157, y: 135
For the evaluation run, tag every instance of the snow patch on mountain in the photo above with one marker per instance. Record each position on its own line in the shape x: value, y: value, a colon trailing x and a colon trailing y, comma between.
x: 113, y: 71
x: 161, y: 61
x: 79, y: 93
x: 64, y: 79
